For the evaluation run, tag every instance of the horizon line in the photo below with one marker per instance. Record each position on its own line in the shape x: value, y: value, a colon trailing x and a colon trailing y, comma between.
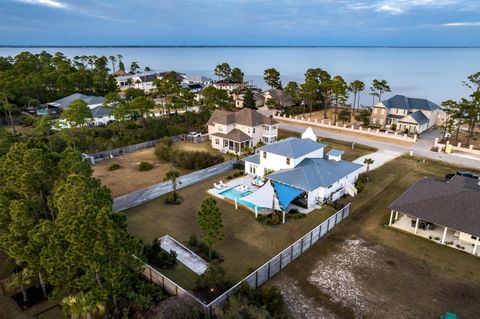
x: 242, y: 46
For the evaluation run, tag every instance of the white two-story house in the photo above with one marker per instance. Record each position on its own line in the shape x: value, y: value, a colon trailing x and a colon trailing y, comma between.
x: 299, y: 164
x: 232, y: 131
x: 403, y: 113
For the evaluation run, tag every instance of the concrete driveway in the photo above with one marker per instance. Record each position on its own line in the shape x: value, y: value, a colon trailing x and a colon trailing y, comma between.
x: 379, y: 158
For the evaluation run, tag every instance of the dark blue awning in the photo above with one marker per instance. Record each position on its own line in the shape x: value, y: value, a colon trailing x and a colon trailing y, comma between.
x: 286, y: 194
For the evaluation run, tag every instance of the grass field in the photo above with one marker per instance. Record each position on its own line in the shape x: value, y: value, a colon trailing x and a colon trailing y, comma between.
x: 128, y: 178
x: 350, y: 154
x: 404, y: 276
x: 247, y: 244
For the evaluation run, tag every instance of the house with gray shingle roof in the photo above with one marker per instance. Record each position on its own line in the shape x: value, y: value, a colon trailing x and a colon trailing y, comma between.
x: 232, y: 131
x: 300, y: 164
x: 448, y: 210
x: 405, y: 114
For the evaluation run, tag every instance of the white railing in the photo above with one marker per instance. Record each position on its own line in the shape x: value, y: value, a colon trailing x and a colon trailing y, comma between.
x: 343, y: 127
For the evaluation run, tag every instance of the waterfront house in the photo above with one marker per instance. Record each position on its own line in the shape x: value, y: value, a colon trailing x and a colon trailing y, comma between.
x: 232, y: 131
x: 279, y: 97
x: 446, y: 211
x: 402, y: 113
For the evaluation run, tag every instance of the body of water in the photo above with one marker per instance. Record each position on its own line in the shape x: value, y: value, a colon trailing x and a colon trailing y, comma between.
x: 433, y: 73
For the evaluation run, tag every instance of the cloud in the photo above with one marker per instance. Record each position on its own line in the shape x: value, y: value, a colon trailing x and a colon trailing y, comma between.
x: 46, y: 3
x: 463, y: 24
x: 399, y: 6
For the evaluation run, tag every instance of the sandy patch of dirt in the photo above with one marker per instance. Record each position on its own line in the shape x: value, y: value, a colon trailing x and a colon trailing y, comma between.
x: 128, y: 178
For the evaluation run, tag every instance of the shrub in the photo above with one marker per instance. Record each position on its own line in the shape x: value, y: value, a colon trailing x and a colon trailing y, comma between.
x: 173, y: 199
x: 213, y: 279
x: 293, y: 211
x: 271, y: 219
x: 114, y: 167
x: 159, y: 257
x: 145, y: 166
x: 295, y: 216
x: 193, y: 241
x: 436, y: 238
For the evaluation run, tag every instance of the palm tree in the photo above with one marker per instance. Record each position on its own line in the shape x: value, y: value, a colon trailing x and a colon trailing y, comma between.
x: 8, y: 107
x: 368, y: 161
x: 172, y: 176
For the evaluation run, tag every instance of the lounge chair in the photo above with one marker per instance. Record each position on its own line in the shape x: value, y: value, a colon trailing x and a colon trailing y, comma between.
x: 217, y: 186
x: 222, y: 184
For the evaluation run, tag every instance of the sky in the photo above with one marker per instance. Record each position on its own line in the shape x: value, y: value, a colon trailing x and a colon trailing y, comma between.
x: 241, y: 22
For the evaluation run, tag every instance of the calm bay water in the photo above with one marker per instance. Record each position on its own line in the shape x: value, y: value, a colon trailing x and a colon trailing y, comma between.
x: 433, y: 73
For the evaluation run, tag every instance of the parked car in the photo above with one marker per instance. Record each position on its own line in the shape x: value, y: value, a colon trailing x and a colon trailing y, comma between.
x: 194, y: 134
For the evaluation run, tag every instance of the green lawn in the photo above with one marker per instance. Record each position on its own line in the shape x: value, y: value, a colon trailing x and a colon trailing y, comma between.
x: 247, y: 244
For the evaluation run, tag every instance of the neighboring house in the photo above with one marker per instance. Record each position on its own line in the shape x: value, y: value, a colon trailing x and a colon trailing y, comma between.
x: 238, y: 99
x: 229, y: 86
x: 101, y: 115
x: 405, y: 114
x: 144, y: 81
x: 232, y: 131
x: 279, y: 96
x: 198, y: 79
x: 300, y: 167
x: 446, y: 211
x: 193, y: 87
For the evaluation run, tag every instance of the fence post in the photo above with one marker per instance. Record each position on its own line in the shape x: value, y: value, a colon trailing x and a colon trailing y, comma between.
x: 281, y: 259
x: 256, y: 278
x: 328, y: 225
x: 268, y: 270
x: 150, y: 268
x: 311, y: 237
x: 301, y: 246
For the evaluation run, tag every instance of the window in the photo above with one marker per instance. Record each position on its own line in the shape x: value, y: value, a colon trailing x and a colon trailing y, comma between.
x: 264, y: 154
x: 383, y: 111
x: 474, y: 237
x: 253, y: 130
x: 217, y: 141
x: 220, y: 128
x: 381, y: 121
x: 288, y: 161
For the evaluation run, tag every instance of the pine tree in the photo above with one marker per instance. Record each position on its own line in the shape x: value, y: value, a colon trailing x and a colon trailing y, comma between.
x: 210, y: 221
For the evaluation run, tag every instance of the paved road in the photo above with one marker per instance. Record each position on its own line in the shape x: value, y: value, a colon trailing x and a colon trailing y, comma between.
x: 421, y: 148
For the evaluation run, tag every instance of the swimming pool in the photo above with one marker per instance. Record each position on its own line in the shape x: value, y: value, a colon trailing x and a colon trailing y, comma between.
x: 235, y: 194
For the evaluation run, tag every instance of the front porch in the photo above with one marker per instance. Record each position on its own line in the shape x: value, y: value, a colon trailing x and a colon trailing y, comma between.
x: 231, y: 146
x: 439, y: 234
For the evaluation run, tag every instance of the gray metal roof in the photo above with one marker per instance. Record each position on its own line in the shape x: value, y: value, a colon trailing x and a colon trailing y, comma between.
x: 89, y: 99
x: 419, y: 117
x: 292, y: 147
x: 454, y: 204
x: 255, y: 159
x: 100, y: 111
x: 234, y: 135
x: 313, y: 173
x: 403, y: 102
x: 334, y: 152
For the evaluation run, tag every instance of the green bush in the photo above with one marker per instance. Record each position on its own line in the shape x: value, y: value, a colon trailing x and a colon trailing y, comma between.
x: 145, y: 166
x: 173, y: 199
x: 114, y: 167
x: 159, y: 257
x: 271, y: 219
x: 295, y: 216
x: 214, y: 280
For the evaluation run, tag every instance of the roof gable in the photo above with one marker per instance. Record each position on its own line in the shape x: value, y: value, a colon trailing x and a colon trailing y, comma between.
x: 245, y: 116
x: 292, y: 147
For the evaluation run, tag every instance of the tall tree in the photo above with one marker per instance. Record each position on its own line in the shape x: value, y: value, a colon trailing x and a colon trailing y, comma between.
x: 113, y: 60
x: 236, y: 75
x: 249, y: 100
x: 379, y: 87
x: 356, y: 87
x: 134, y: 67
x: 77, y: 114
x: 272, y: 77
x: 448, y: 107
x: 223, y: 70
x: 292, y: 89
x: 339, y: 91
x: 121, y: 65
x: 210, y: 221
